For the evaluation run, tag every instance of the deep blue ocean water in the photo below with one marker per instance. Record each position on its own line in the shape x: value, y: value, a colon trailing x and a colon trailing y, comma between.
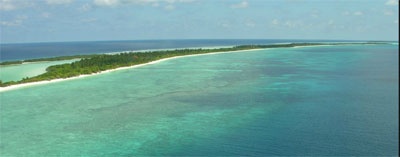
x: 20, y: 51
x: 326, y: 100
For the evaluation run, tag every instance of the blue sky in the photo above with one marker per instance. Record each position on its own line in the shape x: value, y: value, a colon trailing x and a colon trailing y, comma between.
x: 89, y: 20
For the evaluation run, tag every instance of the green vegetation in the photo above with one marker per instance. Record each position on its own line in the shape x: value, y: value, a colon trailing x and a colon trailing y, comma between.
x: 48, y: 59
x: 11, y: 62
x: 96, y: 63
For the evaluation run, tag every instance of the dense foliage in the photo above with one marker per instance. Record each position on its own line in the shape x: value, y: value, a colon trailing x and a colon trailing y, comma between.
x: 97, y: 63
x: 47, y: 59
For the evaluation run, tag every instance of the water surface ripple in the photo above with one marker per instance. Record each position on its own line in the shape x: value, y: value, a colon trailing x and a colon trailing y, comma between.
x: 336, y: 100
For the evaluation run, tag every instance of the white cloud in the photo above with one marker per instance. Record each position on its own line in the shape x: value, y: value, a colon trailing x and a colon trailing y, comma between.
x: 85, y: 7
x: 154, y: 3
x: 23, y: 17
x: 315, y: 13
x: 346, y: 13
x: 89, y: 20
x: 250, y: 24
x: 106, y: 2
x: 56, y: 2
x: 10, y: 23
x: 275, y: 22
x: 169, y: 7
x: 7, y: 5
x: 392, y: 2
x: 289, y: 24
x: 17, y: 22
x: 331, y: 22
x: 293, y: 24
x: 173, y: 1
x: 358, y: 13
x: 242, y: 4
x: 225, y: 24
x: 46, y: 15
x: 355, y: 13
x: 143, y: 2
x: 388, y: 12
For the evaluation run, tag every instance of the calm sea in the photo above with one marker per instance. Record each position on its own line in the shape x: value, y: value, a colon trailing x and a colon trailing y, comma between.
x: 327, y: 100
x: 11, y: 52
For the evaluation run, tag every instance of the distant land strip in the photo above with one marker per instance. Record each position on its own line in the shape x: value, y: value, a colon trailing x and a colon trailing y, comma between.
x: 91, y: 64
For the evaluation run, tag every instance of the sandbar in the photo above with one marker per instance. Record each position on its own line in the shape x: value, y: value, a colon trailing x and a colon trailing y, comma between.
x: 29, y: 84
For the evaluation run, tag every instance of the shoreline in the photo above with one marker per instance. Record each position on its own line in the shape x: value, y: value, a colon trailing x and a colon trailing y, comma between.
x: 25, y: 63
x: 30, y: 84
x: 312, y: 46
x: 167, y: 49
x: 17, y: 86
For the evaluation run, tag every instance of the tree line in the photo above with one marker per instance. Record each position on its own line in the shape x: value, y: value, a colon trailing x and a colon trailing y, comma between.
x: 90, y: 64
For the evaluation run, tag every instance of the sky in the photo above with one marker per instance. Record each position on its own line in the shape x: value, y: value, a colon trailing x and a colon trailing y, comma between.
x: 24, y: 21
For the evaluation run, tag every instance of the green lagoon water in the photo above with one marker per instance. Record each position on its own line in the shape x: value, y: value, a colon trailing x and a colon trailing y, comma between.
x: 17, y: 72
x: 333, y: 100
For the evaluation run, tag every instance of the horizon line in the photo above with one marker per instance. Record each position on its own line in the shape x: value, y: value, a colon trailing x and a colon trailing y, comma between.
x: 120, y: 40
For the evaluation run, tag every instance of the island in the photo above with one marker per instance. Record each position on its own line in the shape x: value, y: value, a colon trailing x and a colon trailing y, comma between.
x: 91, y: 64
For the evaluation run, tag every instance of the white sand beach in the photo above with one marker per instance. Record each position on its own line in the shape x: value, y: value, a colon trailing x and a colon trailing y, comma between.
x: 17, y: 86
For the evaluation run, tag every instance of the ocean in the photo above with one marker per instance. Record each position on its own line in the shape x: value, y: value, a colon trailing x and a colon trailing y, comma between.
x: 16, y: 72
x: 321, y: 100
x: 21, y: 51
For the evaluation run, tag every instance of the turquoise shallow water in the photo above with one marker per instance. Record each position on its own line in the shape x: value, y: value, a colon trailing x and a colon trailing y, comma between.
x: 17, y: 72
x: 336, y: 100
